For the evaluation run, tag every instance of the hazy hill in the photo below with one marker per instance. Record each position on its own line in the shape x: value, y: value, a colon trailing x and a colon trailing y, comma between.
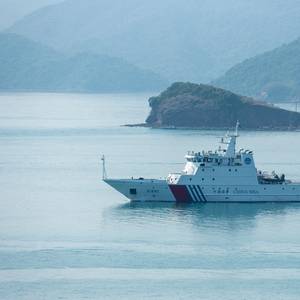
x: 182, y: 40
x: 202, y: 106
x: 13, y: 10
x: 274, y: 75
x: 29, y: 66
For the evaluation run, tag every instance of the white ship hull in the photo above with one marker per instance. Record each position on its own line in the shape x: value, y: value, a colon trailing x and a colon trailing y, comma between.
x: 223, y: 175
x: 153, y: 190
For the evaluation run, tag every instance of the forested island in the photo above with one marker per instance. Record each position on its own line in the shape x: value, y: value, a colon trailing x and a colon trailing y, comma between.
x: 189, y: 105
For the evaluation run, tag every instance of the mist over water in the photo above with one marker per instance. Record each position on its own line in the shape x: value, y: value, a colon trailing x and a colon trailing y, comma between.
x: 66, y: 235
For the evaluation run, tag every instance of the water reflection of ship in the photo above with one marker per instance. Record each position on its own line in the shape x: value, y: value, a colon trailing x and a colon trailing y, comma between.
x: 210, y: 218
x: 210, y: 210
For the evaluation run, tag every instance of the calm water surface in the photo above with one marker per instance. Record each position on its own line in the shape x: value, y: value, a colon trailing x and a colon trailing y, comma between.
x: 66, y: 235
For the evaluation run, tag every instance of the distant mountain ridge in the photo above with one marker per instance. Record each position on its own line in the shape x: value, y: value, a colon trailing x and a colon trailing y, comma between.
x: 189, y: 105
x: 274, y: 75
x: 181, y: 40
x: 30, y: 66
x: 13, y: 10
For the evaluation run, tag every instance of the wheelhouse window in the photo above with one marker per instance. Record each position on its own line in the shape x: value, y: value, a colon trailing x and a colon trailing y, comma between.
x: 132, y: 191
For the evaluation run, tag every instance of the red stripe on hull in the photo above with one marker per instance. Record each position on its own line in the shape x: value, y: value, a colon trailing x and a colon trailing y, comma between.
x: 181, y: 193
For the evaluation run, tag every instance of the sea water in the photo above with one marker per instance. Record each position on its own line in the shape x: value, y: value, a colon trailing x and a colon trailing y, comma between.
x: 64, y: 234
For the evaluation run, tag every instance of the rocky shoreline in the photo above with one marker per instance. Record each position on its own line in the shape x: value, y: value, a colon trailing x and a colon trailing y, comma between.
x: 145, y: 125
x: 204, y: 107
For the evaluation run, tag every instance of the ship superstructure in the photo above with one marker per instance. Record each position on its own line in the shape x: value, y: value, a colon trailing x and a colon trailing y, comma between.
x: 223, y: 175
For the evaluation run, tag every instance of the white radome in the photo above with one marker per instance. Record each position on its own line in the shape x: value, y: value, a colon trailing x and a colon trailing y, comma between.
x: 224, y: 175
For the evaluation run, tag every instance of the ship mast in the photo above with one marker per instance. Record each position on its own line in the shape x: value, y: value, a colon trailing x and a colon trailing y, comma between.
x: 230, y: 151
x: 104, y: 175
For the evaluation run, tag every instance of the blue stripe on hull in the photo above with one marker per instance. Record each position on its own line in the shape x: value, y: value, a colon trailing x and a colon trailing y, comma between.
x: 198, y: 194
x: 194, y: 196
x: 201, y: 192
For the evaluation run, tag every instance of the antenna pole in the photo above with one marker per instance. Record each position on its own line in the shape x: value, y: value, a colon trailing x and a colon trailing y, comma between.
x: 104, y: 175
x: 237, y: 128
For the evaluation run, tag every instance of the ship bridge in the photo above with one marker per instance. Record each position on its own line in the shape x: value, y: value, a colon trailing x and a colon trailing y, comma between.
x: 223, y: 156
x: 217, y: 158
x: 216, y: 166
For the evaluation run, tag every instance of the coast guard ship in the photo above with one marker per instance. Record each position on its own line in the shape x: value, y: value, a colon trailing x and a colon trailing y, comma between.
x: 224, y: 175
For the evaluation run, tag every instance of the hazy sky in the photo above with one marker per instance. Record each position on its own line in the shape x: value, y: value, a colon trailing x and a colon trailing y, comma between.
x: 12, y: 10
